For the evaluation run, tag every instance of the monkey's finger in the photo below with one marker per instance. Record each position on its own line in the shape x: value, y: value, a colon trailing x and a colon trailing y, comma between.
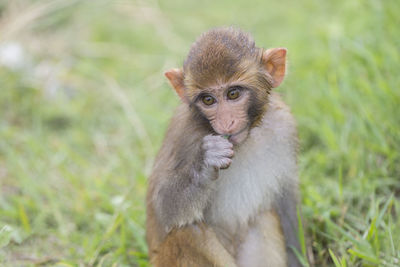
x: 225, y: 163
x: 226, y: 153
x: 223, y: 145
x: 217, y: 144
x: 219, y: 154
x: 219, y: 162
x: 210, y: 138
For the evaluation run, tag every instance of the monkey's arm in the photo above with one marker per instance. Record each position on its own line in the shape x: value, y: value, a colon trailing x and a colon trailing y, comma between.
x: 184, y: 174
x: 286, y: 207
x: 182, y: 196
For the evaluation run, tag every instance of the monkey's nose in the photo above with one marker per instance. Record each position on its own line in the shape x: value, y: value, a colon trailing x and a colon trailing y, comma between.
x: 228, y: 128
x: 231, y: 125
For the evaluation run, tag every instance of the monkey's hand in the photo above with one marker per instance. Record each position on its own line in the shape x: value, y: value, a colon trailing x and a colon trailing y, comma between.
x: 218, y: 152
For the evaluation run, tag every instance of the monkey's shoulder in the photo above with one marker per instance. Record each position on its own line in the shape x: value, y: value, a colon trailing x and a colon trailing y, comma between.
x: 278, y: 119
x: 280, y: 108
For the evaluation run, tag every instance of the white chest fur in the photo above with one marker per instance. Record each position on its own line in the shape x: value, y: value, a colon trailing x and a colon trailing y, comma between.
x: 261, y: 166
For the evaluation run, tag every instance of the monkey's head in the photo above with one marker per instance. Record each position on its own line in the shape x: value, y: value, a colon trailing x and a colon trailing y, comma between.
x: 227, y: 79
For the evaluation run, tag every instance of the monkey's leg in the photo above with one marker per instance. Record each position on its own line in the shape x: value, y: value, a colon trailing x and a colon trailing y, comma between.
x: 286, y: 207
x: 192, y: 246
x: 264, y: 244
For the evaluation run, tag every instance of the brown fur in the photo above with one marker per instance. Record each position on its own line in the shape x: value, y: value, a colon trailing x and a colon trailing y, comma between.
x: 198, y: 245
x: 178, y: 194
x: 267, y: 227
x: 226, y: 57
x: 192, y: 246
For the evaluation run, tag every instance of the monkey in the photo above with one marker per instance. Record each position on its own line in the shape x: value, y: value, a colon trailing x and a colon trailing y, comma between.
x: 224, y: 186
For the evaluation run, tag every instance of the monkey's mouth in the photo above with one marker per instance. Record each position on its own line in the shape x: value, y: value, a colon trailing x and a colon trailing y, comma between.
x: 239, y: 137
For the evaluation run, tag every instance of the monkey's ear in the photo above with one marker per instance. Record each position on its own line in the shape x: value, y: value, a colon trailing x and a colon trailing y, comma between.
x: 175, y: 77
x: 274, y: 61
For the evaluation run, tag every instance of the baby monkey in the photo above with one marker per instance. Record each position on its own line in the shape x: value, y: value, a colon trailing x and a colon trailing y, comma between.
x: 223, y: 190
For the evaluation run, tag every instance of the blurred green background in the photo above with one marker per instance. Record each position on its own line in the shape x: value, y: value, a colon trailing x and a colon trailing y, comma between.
x: 84, y: 106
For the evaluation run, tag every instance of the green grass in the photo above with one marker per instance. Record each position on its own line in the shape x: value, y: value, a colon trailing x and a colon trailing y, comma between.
x: 83, y: 114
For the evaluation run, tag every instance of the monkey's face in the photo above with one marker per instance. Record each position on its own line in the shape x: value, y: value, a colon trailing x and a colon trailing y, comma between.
x: 227, y: 110
x: 228, y: 80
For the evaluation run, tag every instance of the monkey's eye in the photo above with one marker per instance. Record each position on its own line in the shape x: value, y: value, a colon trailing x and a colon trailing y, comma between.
x: 233, y: 93
x: 208, y: 100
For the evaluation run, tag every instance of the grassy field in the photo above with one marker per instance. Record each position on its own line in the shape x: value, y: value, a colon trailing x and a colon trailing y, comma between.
x: 84, y: 105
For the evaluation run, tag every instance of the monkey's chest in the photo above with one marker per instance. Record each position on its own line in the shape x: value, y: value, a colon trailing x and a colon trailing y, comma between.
x: 249, y: 185
x: 241, y: 191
